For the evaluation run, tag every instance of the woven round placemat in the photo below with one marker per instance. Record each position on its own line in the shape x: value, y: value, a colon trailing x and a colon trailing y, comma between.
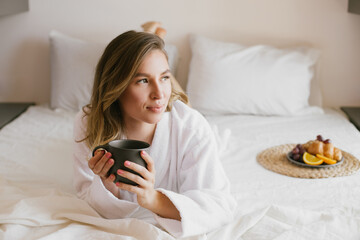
x: 274, y: 159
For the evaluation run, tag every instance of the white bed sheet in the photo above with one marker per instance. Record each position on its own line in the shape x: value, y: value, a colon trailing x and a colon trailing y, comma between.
x: 37, y: 200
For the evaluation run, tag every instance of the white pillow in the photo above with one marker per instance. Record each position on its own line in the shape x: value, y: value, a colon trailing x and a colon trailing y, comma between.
x: 229, y: 78
x: 73, y: 63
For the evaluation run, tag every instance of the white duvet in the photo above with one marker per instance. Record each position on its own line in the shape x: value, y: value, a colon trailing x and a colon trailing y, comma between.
x: 37, y: 200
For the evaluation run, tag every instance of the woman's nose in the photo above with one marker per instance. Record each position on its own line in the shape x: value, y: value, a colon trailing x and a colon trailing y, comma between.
x: 157, y: 92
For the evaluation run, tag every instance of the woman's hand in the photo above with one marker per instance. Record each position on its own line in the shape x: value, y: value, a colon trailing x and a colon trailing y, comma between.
x: 146, y: 194
x: 100, y: 164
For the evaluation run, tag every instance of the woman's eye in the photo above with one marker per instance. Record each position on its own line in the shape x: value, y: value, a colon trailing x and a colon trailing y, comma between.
x: 165, y: 78
x: 144, y: 80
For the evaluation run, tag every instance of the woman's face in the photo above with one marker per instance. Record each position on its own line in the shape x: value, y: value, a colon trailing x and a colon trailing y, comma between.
x: 147, y: 96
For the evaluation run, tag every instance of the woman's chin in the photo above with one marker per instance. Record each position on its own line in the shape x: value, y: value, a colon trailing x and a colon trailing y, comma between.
x: 154, y: 119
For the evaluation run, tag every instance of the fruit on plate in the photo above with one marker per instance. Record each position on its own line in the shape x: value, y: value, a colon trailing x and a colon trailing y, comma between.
x: 326, y: 159
x: 311, y: 159
x: 323, y: 147
x: 297, y: 152
x: 316, y: 152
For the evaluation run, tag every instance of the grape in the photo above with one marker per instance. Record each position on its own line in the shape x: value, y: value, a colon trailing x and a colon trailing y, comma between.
x: 302, y: 151
x: 327, y: 141
x: 295, y: 151
x: 296, y: 157
x: 320, y: 138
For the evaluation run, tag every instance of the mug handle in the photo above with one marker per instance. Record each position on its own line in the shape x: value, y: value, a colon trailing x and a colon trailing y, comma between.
x: 101, y: 147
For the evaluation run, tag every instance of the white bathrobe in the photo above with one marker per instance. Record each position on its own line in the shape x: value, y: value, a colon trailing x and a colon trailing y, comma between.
x: 188, y: 172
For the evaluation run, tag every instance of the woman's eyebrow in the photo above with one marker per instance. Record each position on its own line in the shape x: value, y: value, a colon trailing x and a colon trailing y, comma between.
x: 147, y: 75
x: 165, y: 72
x: 141, y: 75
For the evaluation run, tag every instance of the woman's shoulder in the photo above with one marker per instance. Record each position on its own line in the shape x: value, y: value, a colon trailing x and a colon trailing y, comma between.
x: 185, y: 111
x: 187, y: 116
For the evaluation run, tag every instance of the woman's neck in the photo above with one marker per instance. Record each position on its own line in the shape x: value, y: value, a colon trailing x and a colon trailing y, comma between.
x: 142, y: 132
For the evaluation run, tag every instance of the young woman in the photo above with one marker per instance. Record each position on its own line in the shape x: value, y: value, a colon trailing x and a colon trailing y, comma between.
x: 184, y: 188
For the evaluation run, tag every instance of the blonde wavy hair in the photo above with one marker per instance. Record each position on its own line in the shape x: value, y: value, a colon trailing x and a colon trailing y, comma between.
x: 116, y: 68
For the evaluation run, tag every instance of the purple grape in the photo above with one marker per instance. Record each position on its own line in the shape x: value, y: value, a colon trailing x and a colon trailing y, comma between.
x: 296, y: 157
x: 295, y: 151
x: 320, y: 138
x: 302, y: 151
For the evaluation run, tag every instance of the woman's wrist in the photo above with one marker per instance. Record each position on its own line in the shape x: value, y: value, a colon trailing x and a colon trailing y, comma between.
x: 163, y: 207
x: 110, y: 186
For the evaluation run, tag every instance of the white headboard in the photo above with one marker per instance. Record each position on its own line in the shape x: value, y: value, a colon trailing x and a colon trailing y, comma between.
x: 323, y: 24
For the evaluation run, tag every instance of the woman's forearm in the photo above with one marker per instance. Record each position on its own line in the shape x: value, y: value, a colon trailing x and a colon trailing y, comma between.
x: 164, y: 207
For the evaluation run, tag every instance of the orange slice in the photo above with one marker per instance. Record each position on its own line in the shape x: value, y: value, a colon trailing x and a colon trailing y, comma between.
x: 311, y: 159
x: 326, y: 159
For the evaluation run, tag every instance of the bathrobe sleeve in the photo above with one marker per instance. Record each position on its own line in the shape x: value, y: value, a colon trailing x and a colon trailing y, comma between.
x: 89, y: 186
x: 203, y: 199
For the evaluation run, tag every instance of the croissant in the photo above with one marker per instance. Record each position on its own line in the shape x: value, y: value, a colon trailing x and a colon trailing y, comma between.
x: 329, y: 150
x: 316, y: 147
x: 307, y: 145
x: 337, y: 154
x: 326, y: 149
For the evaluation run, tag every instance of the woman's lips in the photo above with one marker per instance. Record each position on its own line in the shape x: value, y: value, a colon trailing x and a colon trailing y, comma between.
x: 156, y: 109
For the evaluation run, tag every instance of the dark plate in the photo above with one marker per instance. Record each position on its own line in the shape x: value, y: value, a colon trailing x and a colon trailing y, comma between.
x: 324, y: 165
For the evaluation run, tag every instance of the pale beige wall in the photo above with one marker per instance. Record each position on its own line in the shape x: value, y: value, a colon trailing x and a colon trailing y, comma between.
x: 324, y: 24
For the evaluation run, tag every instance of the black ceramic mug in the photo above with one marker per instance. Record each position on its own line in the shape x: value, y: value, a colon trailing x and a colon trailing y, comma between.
x: 121, y: 151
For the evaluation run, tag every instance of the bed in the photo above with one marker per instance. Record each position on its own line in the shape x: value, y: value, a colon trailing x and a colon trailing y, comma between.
x: 37, y: 199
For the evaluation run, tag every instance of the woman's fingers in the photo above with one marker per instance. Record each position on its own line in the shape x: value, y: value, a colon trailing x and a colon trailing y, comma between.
x: 95, y: 158
x: 130, y: 188
x: 111, y: 178
x: 147, y: 174
x: 149, y: 161
x: 146, y: 181
x: 145, y: 189
x: 139, y: 189
x: 144, y: 173
x: 132, y: 177
x: 101, y: 163
x: 106, y: 167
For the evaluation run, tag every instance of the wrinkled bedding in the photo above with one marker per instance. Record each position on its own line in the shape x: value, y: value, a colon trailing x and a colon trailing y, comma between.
x: 37, y: 200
